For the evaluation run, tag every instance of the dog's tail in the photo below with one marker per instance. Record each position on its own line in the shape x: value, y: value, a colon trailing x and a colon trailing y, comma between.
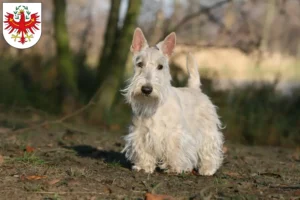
x: 192, y: 67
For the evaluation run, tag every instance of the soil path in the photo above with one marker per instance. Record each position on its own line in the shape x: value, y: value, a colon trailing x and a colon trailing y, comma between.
x: 66, y: 164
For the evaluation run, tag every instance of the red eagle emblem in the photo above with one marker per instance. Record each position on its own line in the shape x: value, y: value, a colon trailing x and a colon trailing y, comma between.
x: 23, y: 26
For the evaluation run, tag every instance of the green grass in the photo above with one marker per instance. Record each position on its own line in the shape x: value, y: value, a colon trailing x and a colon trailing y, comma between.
x: 114, y: 164
x: 32, y: 187
x: 54, y: 197
x: 78, y: 172
x: 29, y: 158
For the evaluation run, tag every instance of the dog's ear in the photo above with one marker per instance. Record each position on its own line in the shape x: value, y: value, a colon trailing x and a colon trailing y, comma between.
x: 168, y: 45
x: 139, y: 41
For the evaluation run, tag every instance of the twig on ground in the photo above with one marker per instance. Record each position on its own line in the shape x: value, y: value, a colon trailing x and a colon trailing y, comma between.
x: 146, y: 186
x: 286, y: 187
x: 154, y: 188
x: 73, y: 129
x: 62, y: 193
x: 58, y: 121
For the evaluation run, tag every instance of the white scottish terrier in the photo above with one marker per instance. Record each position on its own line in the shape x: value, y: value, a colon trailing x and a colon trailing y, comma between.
x: 175, y: 129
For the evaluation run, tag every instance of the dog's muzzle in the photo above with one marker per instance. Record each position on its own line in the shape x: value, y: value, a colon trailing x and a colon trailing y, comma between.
x: 146, y: 89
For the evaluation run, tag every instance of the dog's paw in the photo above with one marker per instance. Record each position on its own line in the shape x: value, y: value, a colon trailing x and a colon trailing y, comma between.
x: 136, y: 168
x: 206, y: 172
x: 148, y: 169
x: 178, y: 171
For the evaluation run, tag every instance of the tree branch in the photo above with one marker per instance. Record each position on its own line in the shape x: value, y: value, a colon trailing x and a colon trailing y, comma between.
x: 196, y: 14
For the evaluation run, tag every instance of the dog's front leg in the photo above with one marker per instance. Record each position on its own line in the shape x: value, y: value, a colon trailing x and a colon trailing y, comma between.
x: 144, y: 162
x: 139, y: 153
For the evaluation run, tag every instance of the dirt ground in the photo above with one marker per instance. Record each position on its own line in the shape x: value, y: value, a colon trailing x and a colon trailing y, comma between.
x: 54, y: 163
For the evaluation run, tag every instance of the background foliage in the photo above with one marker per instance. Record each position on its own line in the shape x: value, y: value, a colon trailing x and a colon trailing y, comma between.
x: 248, y: 52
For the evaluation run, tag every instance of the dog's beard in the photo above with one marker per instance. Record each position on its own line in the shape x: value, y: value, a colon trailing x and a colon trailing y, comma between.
x: 142, y: 104
x: 145, y: 105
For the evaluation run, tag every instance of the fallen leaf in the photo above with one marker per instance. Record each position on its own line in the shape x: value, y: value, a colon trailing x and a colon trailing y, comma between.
x: 1, y: 159
x: 29, y: 149
x: 22, y: 177
x: 150, y: 196
x: 195, y: 173
x: 233, y: 174
x: 34, y: 177
x: 54, y: 181
x: 225, y: 149
x: 107, y: 190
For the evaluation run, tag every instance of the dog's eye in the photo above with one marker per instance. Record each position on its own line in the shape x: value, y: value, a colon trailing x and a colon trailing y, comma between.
x: 160, y: 67
x: 140, y: 64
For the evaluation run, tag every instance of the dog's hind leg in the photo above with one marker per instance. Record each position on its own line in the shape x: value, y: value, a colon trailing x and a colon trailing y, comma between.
x: 210, y: 153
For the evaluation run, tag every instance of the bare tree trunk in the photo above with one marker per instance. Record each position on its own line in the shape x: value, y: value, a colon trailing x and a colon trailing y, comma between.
x: 66, y: 70
x: 264, y: 45
x: 86, y: 77
x: 85, y: 44
x: 111, y: 85
x: 109, y: 38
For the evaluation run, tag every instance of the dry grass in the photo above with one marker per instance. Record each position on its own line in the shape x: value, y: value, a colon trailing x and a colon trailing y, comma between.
x: 233, y: 66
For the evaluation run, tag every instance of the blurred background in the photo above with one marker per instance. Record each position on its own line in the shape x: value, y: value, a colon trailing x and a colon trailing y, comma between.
x: 248, y: 53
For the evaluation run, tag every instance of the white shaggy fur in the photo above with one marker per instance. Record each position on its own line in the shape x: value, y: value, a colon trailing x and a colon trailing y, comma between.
x: 176, y: 129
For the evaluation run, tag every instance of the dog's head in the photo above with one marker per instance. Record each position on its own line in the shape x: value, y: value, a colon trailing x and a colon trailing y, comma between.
x: 151, y: 80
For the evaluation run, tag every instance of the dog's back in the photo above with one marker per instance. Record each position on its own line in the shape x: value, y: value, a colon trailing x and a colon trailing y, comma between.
x: 199, y: 112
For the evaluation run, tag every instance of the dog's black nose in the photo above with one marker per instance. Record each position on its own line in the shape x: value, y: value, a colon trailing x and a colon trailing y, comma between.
x: 147, y: 89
